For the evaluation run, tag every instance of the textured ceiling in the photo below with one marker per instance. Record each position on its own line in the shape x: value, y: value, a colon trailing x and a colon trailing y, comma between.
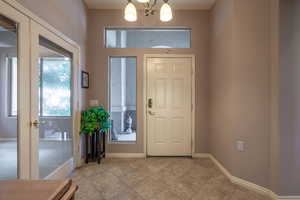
x: 177, y: 4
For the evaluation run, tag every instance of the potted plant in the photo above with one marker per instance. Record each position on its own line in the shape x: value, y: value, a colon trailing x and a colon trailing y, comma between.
x: 94, y: 123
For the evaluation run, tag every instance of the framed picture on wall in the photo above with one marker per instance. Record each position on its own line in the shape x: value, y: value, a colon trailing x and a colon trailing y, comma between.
x: 85, y: 82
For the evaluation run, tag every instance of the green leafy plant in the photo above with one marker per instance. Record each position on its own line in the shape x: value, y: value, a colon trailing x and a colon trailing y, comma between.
x: 95, y: 119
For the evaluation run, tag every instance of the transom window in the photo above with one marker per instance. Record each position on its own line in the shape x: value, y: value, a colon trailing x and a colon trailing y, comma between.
x: 148, y: 38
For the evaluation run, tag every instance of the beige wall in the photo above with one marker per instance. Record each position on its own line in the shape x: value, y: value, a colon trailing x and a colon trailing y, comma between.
x: 289, y: 107
x: 274, y: 101
x: 98, y: 57
x: 67, y: 16
x: 220, y: 83
x: 238, y: 92
x: 239, y: 87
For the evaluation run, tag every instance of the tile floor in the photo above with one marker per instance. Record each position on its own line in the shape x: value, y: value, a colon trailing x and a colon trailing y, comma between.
x: 157, y: 179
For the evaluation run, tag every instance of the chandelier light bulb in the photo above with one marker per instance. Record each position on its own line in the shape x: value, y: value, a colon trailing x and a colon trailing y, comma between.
x: 130, y: 12
x: 166, y: 13
x: 143, y: 1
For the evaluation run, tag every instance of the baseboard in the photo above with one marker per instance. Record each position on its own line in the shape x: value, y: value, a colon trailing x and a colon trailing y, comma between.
x: 254, y: 187
x: 221, y: 167
x: 125, y: 155
x: 200, y: 155
x: 246, y: 184
x: 288, y: 198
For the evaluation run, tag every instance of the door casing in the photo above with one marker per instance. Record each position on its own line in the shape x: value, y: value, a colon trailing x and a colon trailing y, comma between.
x: 145, y: 86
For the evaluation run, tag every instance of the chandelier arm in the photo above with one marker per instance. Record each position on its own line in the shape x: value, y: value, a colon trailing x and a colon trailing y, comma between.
x: 154, y: 4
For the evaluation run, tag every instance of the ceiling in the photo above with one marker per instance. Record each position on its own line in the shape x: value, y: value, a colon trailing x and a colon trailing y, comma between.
x: 177, y: 4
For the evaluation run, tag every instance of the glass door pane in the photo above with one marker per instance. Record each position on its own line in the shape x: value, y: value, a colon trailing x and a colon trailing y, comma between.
x: 55, y: 107
x: 9, y: 99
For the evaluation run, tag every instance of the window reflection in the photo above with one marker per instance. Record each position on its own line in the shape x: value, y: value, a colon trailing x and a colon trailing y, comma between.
x: 55, y: 104
x: 9, y: 99
x: 148, y: 38
x: 123, y: 99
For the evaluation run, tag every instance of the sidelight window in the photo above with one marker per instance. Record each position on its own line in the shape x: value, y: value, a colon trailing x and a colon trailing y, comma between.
x: 122, y: 89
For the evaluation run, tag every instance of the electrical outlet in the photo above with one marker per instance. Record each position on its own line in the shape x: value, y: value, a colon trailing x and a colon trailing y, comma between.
x: 94, y: 103
x: 240, y: 146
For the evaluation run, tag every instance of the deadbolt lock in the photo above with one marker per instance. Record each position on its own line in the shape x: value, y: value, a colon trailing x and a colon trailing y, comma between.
x: 150, y: 103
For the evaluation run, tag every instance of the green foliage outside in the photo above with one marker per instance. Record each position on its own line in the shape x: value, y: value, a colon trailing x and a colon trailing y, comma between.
x: 95, y: 119
x: 56, y: 83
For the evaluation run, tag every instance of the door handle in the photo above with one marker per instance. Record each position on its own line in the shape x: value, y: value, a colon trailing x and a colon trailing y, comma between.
x: 36, y: 123
x: 151, y: 113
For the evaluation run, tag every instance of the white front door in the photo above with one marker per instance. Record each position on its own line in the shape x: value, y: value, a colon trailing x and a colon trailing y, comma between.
x: 169, y: 106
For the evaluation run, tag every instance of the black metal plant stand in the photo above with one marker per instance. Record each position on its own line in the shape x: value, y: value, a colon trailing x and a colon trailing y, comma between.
x: 95, y: 147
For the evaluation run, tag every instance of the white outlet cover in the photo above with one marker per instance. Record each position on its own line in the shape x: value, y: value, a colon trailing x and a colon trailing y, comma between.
x: 94, y: 102
x: 240, y: 145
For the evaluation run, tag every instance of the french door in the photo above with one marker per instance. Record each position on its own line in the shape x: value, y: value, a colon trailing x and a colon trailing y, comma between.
x: 53, y: 107
x: 38, y: 104
x: 15, y: 94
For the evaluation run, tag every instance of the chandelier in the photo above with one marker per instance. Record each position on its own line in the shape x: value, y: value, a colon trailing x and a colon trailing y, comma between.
x: 149, y: 8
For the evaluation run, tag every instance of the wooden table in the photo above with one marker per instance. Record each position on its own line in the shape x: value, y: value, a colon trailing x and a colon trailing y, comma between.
x: 37, y: 190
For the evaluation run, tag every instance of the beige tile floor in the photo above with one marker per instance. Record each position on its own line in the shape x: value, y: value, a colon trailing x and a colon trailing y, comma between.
x: 157, y: 179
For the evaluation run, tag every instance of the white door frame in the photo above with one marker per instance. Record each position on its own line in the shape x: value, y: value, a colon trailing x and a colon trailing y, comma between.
x: 36, y: 31
x: 145, y: 86
x: 23, y: 88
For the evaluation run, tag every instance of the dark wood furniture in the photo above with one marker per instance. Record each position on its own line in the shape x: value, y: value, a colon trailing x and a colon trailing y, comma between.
x: 37, y: 190
x: 95, y: 147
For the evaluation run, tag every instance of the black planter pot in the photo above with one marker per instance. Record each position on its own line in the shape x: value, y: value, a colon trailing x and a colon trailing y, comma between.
x: 95, y: 147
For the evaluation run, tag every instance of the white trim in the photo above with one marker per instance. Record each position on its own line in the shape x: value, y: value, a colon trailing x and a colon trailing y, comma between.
x: 125, y: 155
x: 243, y: 183
x: 288, y: 198
x: 200, y: 155
x: 62, y: 171
x: 253, y: 186
x: 221, y: 167
x: 146, y: 56
x: 246, y: 184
